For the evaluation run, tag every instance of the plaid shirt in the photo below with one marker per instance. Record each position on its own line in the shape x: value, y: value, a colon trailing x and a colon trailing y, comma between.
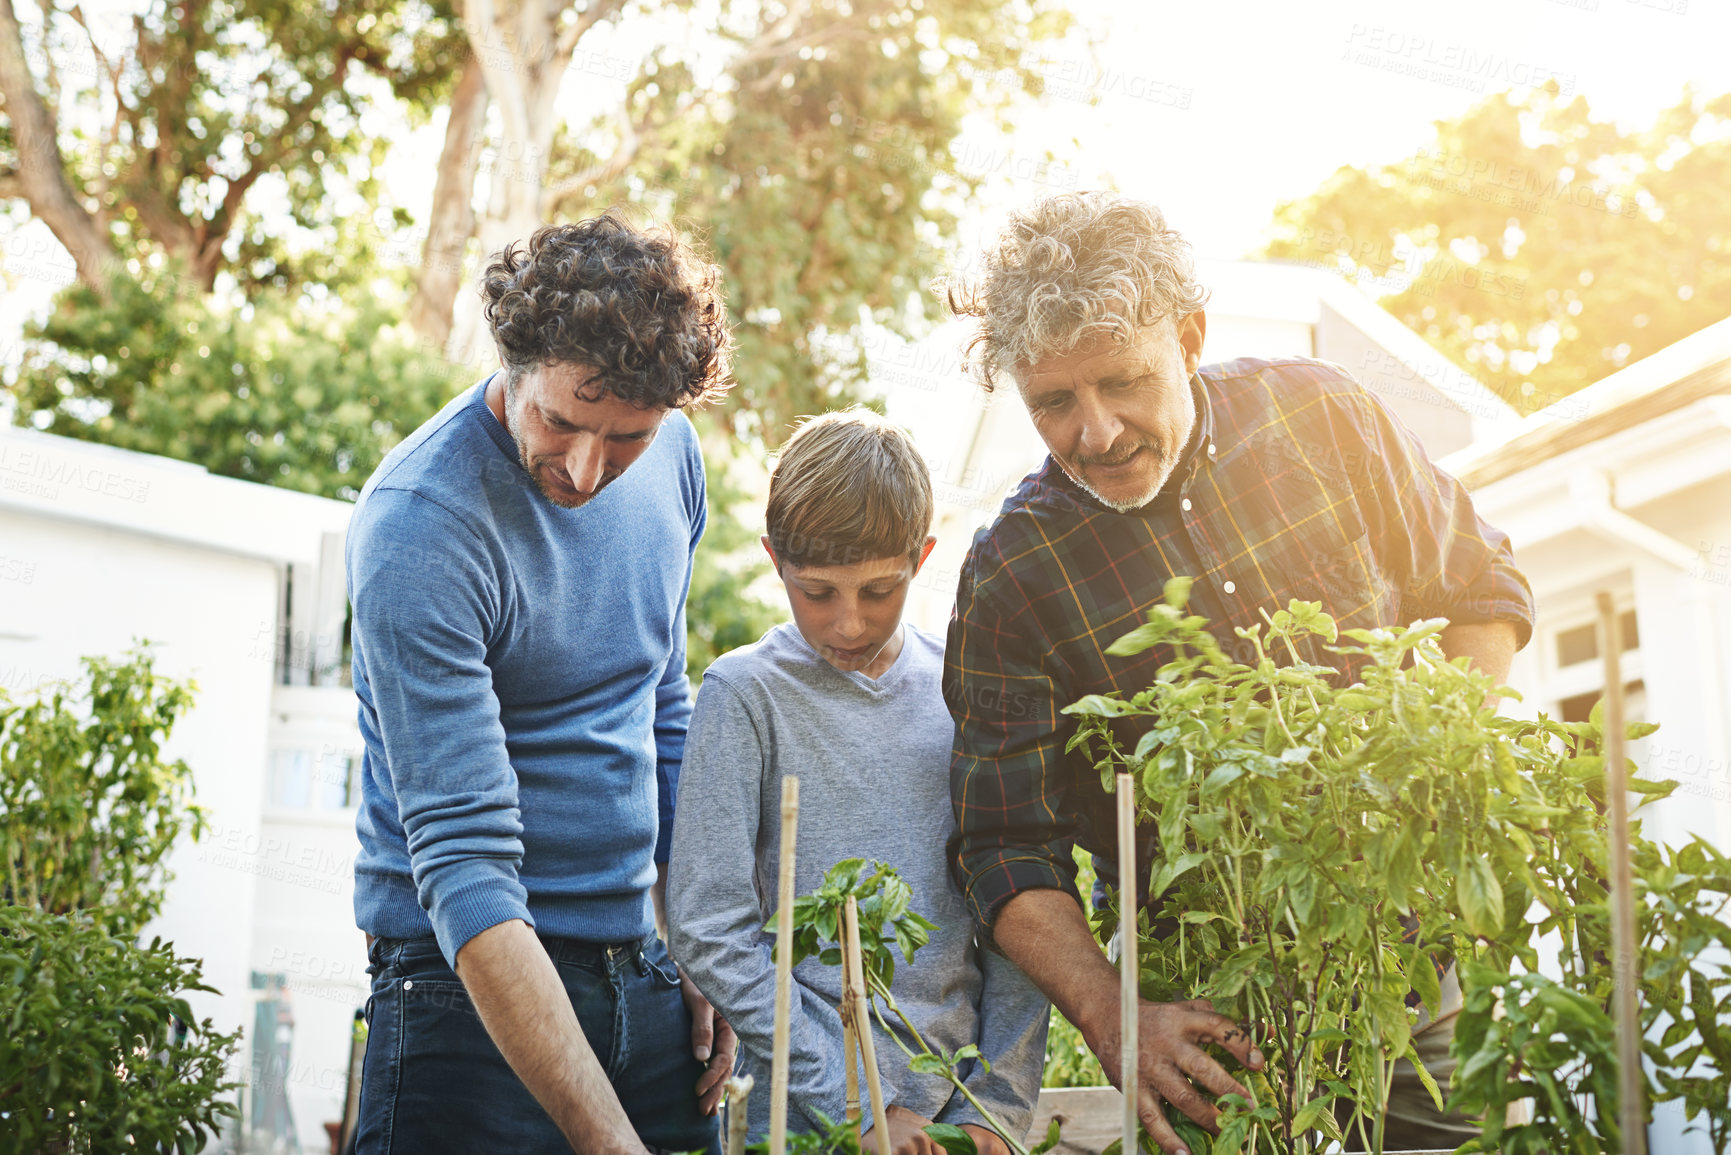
x: 1297, y: 483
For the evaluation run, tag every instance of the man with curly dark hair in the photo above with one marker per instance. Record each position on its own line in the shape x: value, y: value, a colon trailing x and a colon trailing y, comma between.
x: 518, y: 569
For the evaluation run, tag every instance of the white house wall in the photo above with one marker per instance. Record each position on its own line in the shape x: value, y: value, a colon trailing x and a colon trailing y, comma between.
x: 304, y: 928
x: 93, y: 590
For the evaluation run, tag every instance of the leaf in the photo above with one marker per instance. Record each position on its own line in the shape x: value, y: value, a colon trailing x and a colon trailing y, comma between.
x: 1137, y: 640
x: 1308, y: 1116
x: 1097, y: 705
x: 1231, y: 975
x: 952, y: 1139
x: 1221, y: 777
x: 1480, y: 897
x: 929, y: 1065
x: 1053, y: 1137
x: 1425, y: 1077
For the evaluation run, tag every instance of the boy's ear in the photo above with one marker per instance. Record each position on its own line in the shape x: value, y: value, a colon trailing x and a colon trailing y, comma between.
x: 770, y: 550
x: 925, y: 551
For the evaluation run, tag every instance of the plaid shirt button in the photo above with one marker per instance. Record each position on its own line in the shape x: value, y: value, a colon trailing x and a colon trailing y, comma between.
x: 1229, y: 587
x: 1186, y: 504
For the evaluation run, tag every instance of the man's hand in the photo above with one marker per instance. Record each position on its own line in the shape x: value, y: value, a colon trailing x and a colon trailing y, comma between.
x: 1044, y: 933
x: 986, y: 1140
x: 907, y: 1133
x: 712, y: 1042
x: 1172, y: 1036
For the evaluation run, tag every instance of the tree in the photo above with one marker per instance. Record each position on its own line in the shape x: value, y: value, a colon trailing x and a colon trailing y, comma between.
x: 808, y: 142
x: 276, y: 389
x: 1538, y: 248
x: 193, y: 106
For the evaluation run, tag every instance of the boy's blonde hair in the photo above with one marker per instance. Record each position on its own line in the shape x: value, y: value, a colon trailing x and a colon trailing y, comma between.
x: 848, y: 487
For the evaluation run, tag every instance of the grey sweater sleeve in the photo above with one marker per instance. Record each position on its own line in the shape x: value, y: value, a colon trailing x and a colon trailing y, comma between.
x: 715, y: 914
x: 1013, y: 1019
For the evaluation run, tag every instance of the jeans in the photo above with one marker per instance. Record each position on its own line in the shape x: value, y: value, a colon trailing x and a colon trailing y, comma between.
x: 433, y: 1080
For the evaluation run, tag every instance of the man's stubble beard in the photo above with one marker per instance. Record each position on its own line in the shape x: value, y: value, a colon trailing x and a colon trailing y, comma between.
x: 1080, y: 478
x: 529, y: 466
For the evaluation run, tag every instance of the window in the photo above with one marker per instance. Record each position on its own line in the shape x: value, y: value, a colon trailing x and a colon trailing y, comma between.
x: 1581, y: 643
x: 314, y: 780
x: 1579, y: 707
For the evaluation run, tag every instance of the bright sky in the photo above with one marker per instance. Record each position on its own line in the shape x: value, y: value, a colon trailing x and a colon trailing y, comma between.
x: 1217, y: 111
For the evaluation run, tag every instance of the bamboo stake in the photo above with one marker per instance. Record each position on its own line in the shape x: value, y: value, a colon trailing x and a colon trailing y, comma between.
x: 849, y: 1045
x: 738, y: 1117
x: 1625, y: 996
x: 1129, y: 986
x: 783, y: 969
x: 856, y: 1001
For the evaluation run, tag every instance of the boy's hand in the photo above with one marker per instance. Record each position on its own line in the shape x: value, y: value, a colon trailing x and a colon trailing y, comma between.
x: 986, y: 1140
x: 712, y: 1043
x: 907, y: 1134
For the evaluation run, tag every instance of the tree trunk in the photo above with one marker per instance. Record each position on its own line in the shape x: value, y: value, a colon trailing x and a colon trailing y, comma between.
x: 452, y: 221
x: 41, y: 175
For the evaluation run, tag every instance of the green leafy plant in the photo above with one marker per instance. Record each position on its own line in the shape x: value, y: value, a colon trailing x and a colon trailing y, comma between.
x: 101, y: 1051
x: 834, y: 1139
x: 1323, y: 848
x: 89, y: 808
x: 887, y: 925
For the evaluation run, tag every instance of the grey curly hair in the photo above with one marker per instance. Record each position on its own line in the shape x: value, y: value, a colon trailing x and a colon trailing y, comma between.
x: 1068, y: 269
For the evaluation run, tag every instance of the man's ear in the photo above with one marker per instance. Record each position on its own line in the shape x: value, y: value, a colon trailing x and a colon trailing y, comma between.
x: 1191, y: 331
x: 770, y: 550
x: 925, y: 552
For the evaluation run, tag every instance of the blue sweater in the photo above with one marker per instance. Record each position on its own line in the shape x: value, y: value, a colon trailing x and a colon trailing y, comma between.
x: 521, y: 675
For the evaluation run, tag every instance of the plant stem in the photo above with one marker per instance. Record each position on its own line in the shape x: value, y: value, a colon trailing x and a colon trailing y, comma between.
x: 992, y: 1121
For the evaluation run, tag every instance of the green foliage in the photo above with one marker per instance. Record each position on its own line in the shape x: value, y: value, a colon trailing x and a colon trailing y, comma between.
x: 1304, y: 827
x: 281, y: 390
x: 825, y: 180
x: 101, y: 1050
x: 1069, y: 1062
x: 886, y: 925
x: 1536, y: 247
x: 835, y: 1139
x: 196, y: 102
x: 89, y: 808
x: 92, y: 1060
x: 721, y: 611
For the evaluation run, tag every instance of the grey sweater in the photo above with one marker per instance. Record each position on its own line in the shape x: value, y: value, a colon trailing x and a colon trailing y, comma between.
x: 872, y: 758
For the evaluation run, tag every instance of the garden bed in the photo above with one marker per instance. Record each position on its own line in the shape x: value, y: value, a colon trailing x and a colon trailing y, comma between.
x: 1092, y: 1117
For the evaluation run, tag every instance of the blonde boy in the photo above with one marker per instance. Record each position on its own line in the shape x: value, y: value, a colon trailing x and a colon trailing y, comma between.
x: 847, y: 698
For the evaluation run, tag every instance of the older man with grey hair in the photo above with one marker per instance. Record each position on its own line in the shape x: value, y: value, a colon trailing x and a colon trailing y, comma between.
x: 1262, y: 480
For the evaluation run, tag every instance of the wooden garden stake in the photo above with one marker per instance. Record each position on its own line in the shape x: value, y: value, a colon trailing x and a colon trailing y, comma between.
x: 783, y: 969
x: 856, y: 1002
x: 849, y: 1049
x: 1129, y: 986
x: 738, y: 1120
x: 1625, y: 994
